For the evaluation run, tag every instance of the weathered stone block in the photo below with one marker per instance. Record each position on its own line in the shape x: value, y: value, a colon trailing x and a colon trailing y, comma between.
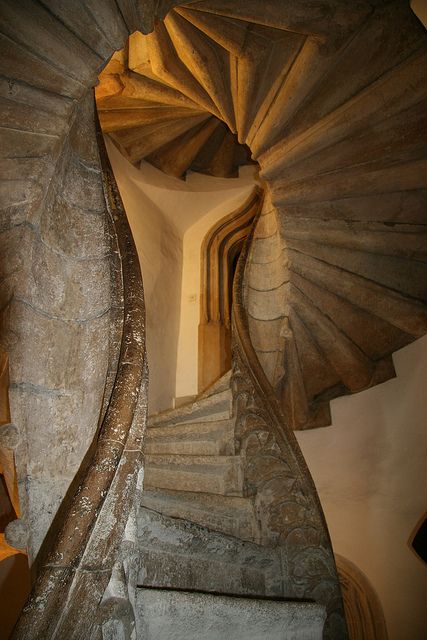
x: 81, y: 184
x: 180, y: 615
x: 85, y: 236
x: 52, y: 353
x: 58, y: 286
x: 180, y: 555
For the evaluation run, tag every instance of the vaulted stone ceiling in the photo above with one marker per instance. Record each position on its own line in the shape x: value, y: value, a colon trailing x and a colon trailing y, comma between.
x: 331, y: 103
x: 153, y: 117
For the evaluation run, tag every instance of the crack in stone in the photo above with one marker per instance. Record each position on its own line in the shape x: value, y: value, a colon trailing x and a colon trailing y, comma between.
x: 40, y: 389
x: 46, y: 314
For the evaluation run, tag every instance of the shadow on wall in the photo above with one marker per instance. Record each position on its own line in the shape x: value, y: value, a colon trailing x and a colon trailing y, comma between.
x: 363, y: 610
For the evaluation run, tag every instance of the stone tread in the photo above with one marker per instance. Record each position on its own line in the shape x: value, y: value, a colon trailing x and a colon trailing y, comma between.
x: 194, y: 438
x: 231, y: 515
x: 208, y: 474
x: 209, y: 408
x: 179, y: 554
x: 170, y: 614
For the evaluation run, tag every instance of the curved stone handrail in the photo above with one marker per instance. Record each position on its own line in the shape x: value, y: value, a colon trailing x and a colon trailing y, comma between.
x: 85, y: 547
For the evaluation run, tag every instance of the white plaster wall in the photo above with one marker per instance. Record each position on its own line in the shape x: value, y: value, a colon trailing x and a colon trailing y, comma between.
x: 160, y: 209
x: 159, y: 247
x: 184, y: 202
x: 370, y: 468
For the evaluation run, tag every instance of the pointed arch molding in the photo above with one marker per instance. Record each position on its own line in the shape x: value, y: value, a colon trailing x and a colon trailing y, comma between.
x: 330, y: 98
x: 363, y: 610
x: 219, y: 252
x: 341, y: 143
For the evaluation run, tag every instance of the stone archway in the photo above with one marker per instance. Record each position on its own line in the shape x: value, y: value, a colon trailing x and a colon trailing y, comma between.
x: 220, y: 250
x: 363, y: 610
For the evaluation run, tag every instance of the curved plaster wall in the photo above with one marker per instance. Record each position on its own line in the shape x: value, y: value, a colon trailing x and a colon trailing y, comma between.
x: 187, y: 365
x: 371, y: 474
x: 169, y: 218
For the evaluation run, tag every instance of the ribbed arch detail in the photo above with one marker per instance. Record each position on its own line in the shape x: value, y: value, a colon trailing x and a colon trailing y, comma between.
x: 363, y: 610
x: 219, y: 253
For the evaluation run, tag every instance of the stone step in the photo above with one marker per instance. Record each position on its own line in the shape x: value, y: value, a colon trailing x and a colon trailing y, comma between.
x: 218, y: 386
x: 179, y: 554
x: 181, y: 401
x: 205, y: 409
x: 208, y: 474
x: 231, y: 515
x: 212, y: 438
x: 165, y: 614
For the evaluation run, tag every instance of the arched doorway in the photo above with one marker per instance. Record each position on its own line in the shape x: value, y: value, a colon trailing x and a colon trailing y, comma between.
x: 219, y: 254
x: 363, y: 610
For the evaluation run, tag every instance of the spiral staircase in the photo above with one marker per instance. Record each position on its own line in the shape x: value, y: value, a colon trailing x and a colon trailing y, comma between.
x: 336, y: 280
x: 329, y: 97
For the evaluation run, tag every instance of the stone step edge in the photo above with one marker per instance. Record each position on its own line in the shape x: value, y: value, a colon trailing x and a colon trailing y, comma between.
x: 183, y: 414
x: 231, y: 515
x: 173, y: 460
x: 203, y: 427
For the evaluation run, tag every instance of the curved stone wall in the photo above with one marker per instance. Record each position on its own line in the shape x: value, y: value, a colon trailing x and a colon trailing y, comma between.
x: 57, y: 314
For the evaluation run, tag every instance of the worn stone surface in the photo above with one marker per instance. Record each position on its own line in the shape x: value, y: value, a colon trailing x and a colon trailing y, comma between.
x: 182, y: 555
x: 60, y: 341
x: 207, y: 474
x: 231, y: 515
x: 195, y: 438
x: 286, y: 501
x: 211, y: 407
x: 91, y: 525
x: 55, y: 316
x: 172, y: 614
x: 281, y: 508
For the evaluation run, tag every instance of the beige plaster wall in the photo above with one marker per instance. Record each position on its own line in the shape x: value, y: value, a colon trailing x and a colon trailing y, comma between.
x: 161, y: 209
x: 187, y: 364
x: 184, y: 202
x: 370, y: 468
x: 159, y: 249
